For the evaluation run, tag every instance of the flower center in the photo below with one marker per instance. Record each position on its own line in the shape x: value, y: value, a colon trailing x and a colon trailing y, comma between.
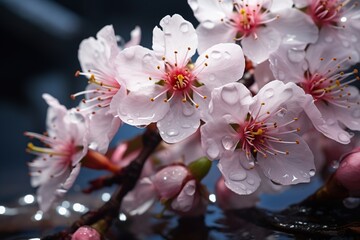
x: 330, y: 84
x: 100, y: 96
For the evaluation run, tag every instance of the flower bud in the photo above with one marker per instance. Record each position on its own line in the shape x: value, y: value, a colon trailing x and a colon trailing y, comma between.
x: 169, y: 180
x: 86, y: 233
x: 348, y: 173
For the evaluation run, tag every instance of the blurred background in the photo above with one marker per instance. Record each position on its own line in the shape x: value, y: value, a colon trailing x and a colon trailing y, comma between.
x: 39, y: 44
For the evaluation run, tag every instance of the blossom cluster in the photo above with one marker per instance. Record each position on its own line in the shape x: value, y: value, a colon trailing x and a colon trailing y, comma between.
x: 300, y: 54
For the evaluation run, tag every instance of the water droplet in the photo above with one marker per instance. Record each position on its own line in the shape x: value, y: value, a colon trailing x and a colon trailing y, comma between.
x: 213, y: 151
x: 227, y: 55
x: 356, y: 113
x: 188, y: 111
x: 343, y: 137
x: 166, y: 20
x: 312, y: 172
x: 296, y: 55
x: 184, y: 27
x: 328, y: 39
x: 212, y: 77
x: 216, y: 54
x: 129, y: 53
x: 269, y: 93
x: 281, y: 75
x: 237, y: 175
x: 228, y: 142
x: 287, y: 93
x: 190, y: 189
x: 193, y: 4
x: 172, y: 132
x: 208, y: 24
x: 250, y: 181
x: 351, y: 202
x: 185, y: 126
x: 330, y: 121
x: 130, y: 120
x: 230, y: 94
x: 281, y: 113
x: 147, y: 57
x: 335, y: 164
x: 249, y: 192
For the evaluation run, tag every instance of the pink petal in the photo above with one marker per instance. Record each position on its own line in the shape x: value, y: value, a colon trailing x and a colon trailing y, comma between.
x: 259, y: 49
x: 181, y: 121
x: 210, y: 10
x: 277, y: 5
x: 86, y: 233
x: 292, y: 168
x: 135, y: 37
x: 238, y: 179
x: 185, y: 200
x: 169, y: 180
x: 226, y: 64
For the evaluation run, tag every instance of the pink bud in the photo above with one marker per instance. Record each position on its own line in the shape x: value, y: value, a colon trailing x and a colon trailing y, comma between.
x: 348, y: 173
x: 169, y: 180
x: 86, y: 233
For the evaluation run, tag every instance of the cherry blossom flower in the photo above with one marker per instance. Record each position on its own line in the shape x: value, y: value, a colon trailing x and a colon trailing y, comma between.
x: 321, y: 72
x: 337, y: 19
x: 247, y: 133
x: 165, y: 87
x: 259, y: 25
x: 97, y: 60
x: 57, y: 165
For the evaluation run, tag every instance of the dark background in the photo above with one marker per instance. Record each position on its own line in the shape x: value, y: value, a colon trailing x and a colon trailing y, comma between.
x: 39, y: 43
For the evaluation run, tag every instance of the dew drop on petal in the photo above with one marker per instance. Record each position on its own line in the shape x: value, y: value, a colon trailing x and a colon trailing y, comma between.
x: 184, y: 27
x: 296, y: 55
x: 130, y: 120
x: 250, y: 181
x: 287, y: 93
x: 185, y: 126
x: 212, y: 77
x: 216, y: 54
x: 312, y: 172
x: 172, y: 132
x: 129, y: 53
x: 227, y: 142
x: 334, y: 164
x: 328, y: 39
x: 208, y: 24
x: 351, y: 202
x: 227, y: 55
x: 166, y: 20
x: 229, y: 94
x: 213, y: 150
x: 190, y: 189
x: 343, y: 137
x: 188, y: 111
x: 269, y: 93
x: 147, y: 57
x: 237, y: 175
x: 193, y: 4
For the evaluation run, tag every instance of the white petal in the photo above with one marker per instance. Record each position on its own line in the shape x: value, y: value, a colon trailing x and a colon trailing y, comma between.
x: 179, y: 35
x: 158, y: 42
x: 301, y: 3
x: 137, y: 109
x: 217, y: 137
x: 288, y: 63
x: 263, y: 74
x: 225, y: 64
x: 277, y: 5
x: 136, y: 65
x: 211, y: 10
x: 296, y: 167
x: 296, y: 26
x: 237, y: 178
x: 258, y: 49
x: 185, y: 200
x: 219, y: 33
x: 181, y: 121
x: 230, y: 103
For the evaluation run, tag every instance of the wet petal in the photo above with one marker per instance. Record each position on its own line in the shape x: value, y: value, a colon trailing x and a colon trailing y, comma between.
x: 238, y: 179
x: 295, y: 167
x: 211, y: 10
x: 169, y: 180
x: 181, y: 121
x: 185, y: 199
x: 259, y: 49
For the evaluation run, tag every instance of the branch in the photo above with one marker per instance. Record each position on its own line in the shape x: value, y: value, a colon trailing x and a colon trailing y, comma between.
x: 129, y: 176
